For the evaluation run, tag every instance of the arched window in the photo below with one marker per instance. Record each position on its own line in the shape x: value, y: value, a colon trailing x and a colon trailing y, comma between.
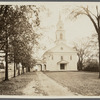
x: 71, y: 57
x: 61, y: 48
x: 60, y: 27
x: 61, y: 36
x: 61, y: 57
x: 52, y: 57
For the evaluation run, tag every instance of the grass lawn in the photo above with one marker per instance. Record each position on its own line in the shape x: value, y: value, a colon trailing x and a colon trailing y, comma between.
x: 14, y: 85
x: 84, y: 83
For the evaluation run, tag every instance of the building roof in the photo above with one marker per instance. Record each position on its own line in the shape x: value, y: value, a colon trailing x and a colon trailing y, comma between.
x: 61, y: 48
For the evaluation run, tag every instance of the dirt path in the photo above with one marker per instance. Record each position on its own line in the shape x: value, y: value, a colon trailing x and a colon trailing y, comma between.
x: 34, y: 88
x: 45, y: 86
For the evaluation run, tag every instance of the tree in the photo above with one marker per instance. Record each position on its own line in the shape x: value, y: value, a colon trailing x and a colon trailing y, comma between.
x: 87, y: 50
x: 14, y: 25
x: 6, y: 23
x: 94, y: 45
x: 94, y: 18
x: 83, y: 49
x: 25, y: 37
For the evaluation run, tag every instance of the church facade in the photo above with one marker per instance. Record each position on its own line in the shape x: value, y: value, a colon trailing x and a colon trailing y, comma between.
x: 61, y: 57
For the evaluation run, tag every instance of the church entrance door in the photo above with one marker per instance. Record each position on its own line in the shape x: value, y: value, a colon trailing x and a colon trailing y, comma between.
x: 62, y: 66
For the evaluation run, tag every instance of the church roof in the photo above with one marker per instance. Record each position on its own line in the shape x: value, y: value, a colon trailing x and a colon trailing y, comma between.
x: 61, y: 48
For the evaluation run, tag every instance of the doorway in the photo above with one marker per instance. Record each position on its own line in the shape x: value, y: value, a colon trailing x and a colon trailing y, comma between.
x: 62, y: 66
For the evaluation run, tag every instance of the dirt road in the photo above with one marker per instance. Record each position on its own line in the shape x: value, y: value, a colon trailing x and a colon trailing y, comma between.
x: 45, y: 86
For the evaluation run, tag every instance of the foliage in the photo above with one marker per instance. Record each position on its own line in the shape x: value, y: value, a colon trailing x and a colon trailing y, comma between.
x: 24, y: 42
x: 94, y: 18
x: 17, y: 31
x: 92, y: 66
x: 83, y: 49
x: 87, y: 48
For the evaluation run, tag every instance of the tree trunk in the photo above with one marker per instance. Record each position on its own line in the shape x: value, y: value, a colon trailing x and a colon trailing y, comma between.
x: 14, y: 61
x: 18, y: 70
x: 99, y: 41
x: 6, y: 58
x: 79, y: 65
x: 28, y: 69
x: 99, y: 52
x: 14, y: 69
x: 6, y: 55
x: 23, y: 69
x: 14, y: 66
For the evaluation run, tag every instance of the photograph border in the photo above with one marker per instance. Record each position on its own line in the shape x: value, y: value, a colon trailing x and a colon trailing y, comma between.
x: 47, y: 98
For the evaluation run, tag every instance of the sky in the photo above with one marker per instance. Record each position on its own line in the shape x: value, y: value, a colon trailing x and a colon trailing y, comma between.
x: 81, y: 27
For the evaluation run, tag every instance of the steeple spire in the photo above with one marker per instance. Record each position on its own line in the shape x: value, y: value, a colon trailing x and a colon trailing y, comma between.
x: 60, y: 23
x: 59, y: 17
x: 60, y: 33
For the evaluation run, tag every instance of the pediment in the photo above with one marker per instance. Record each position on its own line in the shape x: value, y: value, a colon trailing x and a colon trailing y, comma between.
x: 61, y: 48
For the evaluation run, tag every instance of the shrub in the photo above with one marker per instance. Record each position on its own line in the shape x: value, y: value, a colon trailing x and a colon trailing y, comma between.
x: 92, y: 66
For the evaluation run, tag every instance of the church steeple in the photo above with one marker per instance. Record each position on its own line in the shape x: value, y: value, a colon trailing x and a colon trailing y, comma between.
x: 60, y: 33
x: 59, y: 17
x: 60, y: 23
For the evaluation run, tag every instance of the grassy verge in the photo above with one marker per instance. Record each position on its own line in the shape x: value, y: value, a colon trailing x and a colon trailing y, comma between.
x: 84, y: 83
x: 14, y: 85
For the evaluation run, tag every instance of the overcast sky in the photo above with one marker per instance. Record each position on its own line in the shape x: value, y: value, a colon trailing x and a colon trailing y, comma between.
x: 81, y: 27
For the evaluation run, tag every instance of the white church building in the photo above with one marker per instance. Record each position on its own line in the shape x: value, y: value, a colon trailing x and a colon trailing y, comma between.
x: 61, y: 57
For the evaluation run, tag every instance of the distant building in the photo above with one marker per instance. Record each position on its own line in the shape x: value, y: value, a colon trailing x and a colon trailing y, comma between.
x: 2, y: 58
x: 61, y: 57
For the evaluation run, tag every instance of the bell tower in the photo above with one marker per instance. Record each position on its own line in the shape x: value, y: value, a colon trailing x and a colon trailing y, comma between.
x: 60, y: 33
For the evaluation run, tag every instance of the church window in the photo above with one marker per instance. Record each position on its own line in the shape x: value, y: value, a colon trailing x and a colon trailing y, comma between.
x: 61, y: 48
x: 70, y: 57
x: 52, y: 57
x: 61, y: 57
x: 61, y: 36
x: 60, y: 27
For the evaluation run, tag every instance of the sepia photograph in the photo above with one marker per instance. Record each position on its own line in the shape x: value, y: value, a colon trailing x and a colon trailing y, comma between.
x: 50, y: 49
